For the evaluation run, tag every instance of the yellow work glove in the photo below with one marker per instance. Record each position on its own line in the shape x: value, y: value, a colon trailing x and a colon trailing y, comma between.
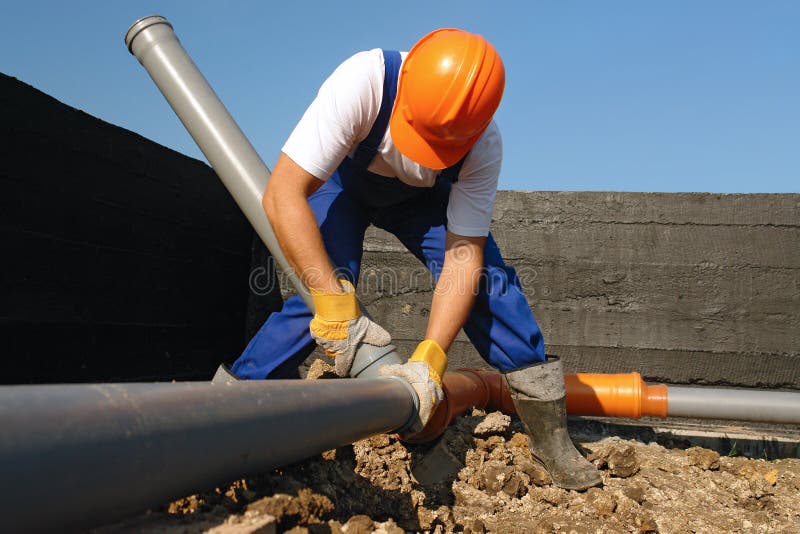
x: 338, y: 326
x: 424, y: 370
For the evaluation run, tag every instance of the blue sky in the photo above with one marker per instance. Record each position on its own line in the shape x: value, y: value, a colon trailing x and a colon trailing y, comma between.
x: 619, y: 95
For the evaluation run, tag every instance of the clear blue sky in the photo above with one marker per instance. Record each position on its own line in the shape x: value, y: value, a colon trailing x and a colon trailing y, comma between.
x: 677, y: 95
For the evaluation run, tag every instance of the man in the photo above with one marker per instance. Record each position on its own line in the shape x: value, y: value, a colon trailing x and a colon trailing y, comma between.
x: 420, y: 158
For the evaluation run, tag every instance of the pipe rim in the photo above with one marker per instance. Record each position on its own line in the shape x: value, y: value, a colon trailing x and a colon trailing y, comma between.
x: 414, y: 396
x: 140, y: 25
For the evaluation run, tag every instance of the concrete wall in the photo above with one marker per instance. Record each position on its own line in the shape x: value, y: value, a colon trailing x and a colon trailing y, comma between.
x: 684, y: 288
x: 123, y: 260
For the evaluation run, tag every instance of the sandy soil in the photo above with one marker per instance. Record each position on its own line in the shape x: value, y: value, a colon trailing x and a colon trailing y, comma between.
x: 479, y: 477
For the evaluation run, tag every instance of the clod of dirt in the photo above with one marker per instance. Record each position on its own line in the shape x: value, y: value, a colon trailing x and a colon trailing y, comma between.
x: 289, y: 510
x: 647, y: 524
x: 761, y: 486
x: 358, y: 524
x: 471, y: 498
x: 319, y: 369
x: 497, y: 476
x: 536, y: 472
x: 493, y: 423
x: 552, y: 495
x: 619, y: 457
x: 523, y: 460
x: 519, y: 441
x: 703, y: 458
x: 601, y: 501
x: 635, y: 492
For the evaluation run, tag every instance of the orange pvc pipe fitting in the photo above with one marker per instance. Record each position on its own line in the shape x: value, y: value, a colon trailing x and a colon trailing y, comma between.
x: 498, y: 396
x: 465, y: 389
x: 617, y: 395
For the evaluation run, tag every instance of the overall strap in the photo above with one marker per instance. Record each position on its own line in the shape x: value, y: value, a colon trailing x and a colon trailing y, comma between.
x: 366, y: 150
x: 451, y: 173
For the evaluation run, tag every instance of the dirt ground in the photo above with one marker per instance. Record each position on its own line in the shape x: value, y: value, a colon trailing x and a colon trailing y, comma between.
x: 479, y: 477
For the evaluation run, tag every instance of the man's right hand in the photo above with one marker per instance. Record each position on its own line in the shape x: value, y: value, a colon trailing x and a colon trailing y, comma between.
x: 338, y: 326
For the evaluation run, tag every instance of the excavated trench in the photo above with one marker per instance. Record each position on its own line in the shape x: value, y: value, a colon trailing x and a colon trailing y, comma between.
x: 479, y: 477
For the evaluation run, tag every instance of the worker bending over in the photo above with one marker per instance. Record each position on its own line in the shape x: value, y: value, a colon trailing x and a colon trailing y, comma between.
x: 406, y: 141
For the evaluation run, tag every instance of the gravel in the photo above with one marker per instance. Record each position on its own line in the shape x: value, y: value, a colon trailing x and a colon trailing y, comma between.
x: 480, y: 477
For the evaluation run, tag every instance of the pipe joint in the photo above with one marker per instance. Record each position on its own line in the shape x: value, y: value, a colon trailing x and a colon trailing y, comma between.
x: 614, y: 395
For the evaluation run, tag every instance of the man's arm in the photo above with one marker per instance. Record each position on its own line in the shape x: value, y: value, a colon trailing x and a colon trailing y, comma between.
x: 452, y: 302
x: 338, y: 326
x: 285, y: 202
x: 456, y: 288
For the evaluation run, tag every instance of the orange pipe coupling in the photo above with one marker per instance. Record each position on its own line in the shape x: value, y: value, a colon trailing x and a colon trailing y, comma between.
x: 617, y: 395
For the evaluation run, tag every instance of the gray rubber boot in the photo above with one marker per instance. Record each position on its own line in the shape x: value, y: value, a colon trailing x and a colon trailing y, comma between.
x: 539, y: 396
x: 224, y: 375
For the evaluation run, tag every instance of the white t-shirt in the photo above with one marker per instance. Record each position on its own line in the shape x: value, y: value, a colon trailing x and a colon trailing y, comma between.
x: 341, y: 116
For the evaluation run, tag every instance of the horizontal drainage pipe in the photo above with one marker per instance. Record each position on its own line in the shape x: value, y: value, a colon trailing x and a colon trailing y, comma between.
x: 737, y: 404
x: 96, y: 453
x: 76, y: 456
x: 613, y: 395
x: 232, y: 156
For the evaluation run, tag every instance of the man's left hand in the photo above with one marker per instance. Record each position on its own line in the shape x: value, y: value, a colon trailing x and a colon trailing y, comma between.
x: 424, y: 371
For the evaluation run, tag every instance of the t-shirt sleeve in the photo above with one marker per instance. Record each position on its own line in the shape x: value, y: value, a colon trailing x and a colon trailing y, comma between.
x: 469, y: 211
x: 339, y: 118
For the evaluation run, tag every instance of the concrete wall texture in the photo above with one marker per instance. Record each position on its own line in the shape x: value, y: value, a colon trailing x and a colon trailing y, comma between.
x: 121, y: 259
x: 115, y: 245
x: 684, y: 288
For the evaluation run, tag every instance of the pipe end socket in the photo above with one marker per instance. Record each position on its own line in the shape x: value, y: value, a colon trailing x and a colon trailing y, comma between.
x: 412, y: 393
x: 141, y: 25
x: 370, y: 358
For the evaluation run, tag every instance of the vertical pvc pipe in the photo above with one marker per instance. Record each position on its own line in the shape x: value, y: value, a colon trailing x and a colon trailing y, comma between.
x: 154, y: 43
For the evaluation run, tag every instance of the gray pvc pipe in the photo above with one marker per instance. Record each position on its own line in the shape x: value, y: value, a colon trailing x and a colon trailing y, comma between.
x: 154, y: 43
x: 77, y: 456
x: 734, y: 404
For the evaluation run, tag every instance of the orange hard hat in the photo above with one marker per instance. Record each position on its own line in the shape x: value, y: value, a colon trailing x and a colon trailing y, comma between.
x: 450, y: 86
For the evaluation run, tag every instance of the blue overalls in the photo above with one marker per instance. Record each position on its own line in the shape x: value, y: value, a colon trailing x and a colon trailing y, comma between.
x: 501, y: 325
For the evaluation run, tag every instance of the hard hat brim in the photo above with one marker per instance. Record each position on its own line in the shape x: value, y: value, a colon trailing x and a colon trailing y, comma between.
x: 420, y: 150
